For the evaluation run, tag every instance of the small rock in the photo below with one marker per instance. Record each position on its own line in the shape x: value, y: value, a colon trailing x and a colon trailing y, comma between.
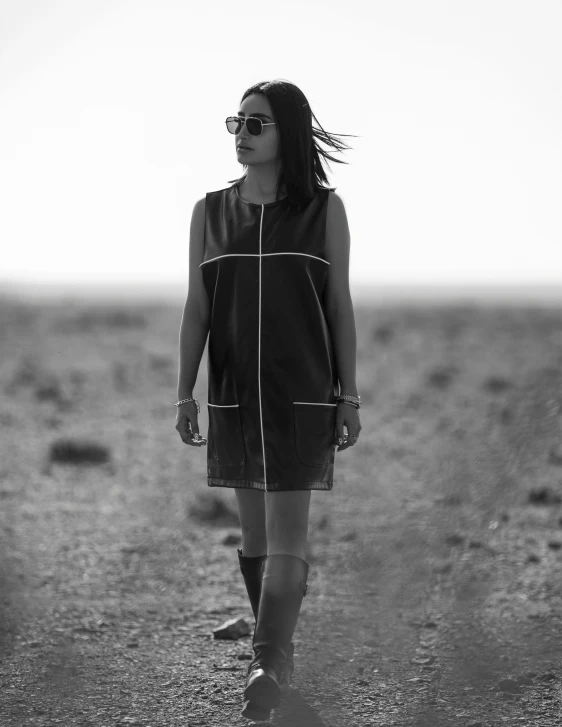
x: 232, y: 629
x: 455, y: 539
x: 346, y: 537
x: 509, y: 685
x: 231, y: 539
x: 423, y: 660
x: 544, y: 496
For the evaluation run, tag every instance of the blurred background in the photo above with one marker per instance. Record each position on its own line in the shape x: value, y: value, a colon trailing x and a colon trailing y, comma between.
x: 112, y: 126
x: 437, y: 557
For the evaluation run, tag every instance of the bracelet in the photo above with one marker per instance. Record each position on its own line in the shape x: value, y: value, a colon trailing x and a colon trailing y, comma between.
x: 343, y: 398
x: 348, y: 399
x: 350, y: 404
x: 184, y: 401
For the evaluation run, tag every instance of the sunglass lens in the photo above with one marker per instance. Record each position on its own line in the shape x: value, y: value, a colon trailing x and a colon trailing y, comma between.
x: 254, y: 126
x: 233, y: 125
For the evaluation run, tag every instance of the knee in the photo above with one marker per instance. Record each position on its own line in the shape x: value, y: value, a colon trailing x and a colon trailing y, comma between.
x: 291, y: 541
x: 254, y: 540
x: 253, y: 530
x: 296, y: 549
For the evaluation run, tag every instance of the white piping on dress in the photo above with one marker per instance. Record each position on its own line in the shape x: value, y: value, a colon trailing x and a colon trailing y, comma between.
x: 259, y: 362
x: 314, y: 403
x: 253, y: 254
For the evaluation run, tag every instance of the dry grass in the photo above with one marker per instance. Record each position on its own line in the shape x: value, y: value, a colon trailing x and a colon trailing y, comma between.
x: 441, y: 537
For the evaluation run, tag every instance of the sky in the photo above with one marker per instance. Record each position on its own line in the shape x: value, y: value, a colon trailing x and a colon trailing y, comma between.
x: 112, y: 127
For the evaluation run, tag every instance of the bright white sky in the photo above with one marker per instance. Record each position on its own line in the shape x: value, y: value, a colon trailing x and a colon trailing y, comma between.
x: 112, y: 126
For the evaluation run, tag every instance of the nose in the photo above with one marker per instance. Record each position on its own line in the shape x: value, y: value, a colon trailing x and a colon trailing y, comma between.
x: 242, y: 128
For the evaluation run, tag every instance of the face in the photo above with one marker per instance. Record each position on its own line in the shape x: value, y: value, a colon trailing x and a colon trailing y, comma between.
x: 264, y: 147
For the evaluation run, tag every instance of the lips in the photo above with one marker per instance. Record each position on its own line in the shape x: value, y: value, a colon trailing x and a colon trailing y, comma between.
x: 241, y: 146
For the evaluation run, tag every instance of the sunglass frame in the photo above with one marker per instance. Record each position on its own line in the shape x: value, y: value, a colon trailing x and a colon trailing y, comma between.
x: 242, y: 120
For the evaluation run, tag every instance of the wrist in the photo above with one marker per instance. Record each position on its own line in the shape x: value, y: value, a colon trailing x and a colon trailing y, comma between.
x: 348, y: 391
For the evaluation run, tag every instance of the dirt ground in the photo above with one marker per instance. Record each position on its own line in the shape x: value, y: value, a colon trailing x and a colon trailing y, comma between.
x: 435, y: 562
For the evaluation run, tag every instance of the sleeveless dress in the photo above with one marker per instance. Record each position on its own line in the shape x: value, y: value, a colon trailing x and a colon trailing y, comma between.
x: 272, y: 378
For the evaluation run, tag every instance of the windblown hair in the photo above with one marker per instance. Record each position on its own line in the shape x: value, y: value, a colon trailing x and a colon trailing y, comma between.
x: 302, y: 170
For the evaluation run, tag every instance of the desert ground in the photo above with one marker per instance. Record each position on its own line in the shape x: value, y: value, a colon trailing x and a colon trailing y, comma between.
x: 434, y: 594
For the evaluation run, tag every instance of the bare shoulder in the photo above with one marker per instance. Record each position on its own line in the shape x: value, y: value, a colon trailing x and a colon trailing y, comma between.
x: 337, y: 251
x: 337, y: 229
x: 197, y: 294
x: 334, y: 200
x: 199, y: 207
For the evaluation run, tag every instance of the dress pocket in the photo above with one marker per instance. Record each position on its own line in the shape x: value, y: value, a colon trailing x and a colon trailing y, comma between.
x: 225, y: 441
x: 315, y: 428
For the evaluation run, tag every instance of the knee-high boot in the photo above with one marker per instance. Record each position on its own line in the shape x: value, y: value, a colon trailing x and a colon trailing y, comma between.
x: 283, y: 588
x: 252, y: 570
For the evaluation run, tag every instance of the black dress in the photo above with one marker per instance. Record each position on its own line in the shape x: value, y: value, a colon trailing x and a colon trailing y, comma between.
x: 271, y: 366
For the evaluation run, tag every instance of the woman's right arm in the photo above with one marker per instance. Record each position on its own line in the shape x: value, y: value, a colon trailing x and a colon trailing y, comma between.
x: 196, y: 317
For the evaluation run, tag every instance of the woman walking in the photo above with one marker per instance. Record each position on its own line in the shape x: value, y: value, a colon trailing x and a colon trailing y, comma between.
x: 269, y: 284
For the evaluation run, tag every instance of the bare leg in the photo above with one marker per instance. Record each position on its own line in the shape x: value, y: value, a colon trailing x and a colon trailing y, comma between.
x: 286, y: 515
x: 251, y: 509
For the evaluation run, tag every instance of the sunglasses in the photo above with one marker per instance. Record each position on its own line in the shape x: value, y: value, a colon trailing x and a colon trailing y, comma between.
x: 254, y: 125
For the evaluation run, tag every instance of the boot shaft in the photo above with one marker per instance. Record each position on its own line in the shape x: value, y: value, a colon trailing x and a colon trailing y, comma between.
x: 252, y: 570
x: 283, y: 588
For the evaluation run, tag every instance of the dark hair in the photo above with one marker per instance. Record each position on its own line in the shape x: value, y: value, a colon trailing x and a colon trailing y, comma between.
x: 302, y: 170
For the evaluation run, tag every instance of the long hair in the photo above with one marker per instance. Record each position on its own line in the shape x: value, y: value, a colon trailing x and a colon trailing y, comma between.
x: 302, y: 170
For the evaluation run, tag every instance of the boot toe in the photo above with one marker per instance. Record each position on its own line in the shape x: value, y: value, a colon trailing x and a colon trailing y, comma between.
x: 253, y: 712
x: 262, y: 688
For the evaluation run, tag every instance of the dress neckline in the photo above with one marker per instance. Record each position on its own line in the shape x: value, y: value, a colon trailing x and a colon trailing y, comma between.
x: 256, y: 204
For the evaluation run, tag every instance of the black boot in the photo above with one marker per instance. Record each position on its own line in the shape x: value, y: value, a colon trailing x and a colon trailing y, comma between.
x: 252, y: 569
x: 283, y: 588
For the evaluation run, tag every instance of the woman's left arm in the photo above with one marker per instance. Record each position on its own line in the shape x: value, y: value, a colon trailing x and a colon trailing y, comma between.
x: 339, y: 314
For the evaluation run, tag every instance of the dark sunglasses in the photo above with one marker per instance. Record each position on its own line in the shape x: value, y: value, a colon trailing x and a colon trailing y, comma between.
x: 254, y: 125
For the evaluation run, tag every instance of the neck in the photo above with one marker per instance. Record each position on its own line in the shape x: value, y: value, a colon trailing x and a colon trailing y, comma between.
x: 262, y: 183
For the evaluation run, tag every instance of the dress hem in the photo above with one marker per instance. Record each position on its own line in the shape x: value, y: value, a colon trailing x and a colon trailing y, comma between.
x: 256, y: 485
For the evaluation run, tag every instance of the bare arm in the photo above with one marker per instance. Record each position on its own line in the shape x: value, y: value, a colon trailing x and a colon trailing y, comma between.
x: 195, y: 321
x: 337, y: 297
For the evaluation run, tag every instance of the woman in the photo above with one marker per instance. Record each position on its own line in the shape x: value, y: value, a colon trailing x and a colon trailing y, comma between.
x: 269, y: 283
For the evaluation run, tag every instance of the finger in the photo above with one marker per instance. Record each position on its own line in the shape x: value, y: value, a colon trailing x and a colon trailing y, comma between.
x: 349, y: 441
x: 195, y: 443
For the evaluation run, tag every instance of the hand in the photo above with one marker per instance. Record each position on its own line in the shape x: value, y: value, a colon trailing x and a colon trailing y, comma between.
x: 347, y: 416
x: 187, y: 426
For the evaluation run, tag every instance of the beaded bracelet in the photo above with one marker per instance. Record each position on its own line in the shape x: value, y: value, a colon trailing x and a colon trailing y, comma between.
x: 184, y: 401
x: 344, y: 398
x: 347, y: 399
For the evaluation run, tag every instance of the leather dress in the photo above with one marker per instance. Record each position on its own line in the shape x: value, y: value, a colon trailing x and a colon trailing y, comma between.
x: 272, y: 377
